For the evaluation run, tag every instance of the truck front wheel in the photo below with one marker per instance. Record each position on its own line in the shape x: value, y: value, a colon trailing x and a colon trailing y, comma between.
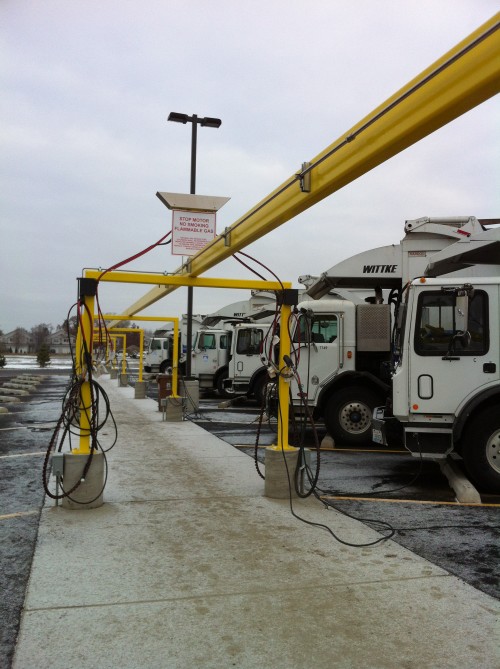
x: 348, y: 413
x: 259, y: 388
x: 481, y: 450
x: 164, y: 367
x: 219, y: 384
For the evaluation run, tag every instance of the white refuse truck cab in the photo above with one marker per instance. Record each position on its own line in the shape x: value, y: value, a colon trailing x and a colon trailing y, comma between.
x: 210, y: 357
x: 158, y: 356
x: 159, y: 353
x: 444, y: 394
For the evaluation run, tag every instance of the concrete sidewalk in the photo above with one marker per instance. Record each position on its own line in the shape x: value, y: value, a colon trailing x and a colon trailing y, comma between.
x: 187, y: 565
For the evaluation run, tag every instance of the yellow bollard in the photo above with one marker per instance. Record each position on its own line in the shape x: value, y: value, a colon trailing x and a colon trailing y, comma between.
x: 83, y: 360
x: 283, y: 385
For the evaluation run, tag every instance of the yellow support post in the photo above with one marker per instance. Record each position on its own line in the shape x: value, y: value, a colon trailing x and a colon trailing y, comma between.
x: 283, y: 384
x: 175, y: 360
x: 83, y: 362
x: 123, y: 339
x: 141, y: 351
x: 113, y: 341
x: 282, y: 459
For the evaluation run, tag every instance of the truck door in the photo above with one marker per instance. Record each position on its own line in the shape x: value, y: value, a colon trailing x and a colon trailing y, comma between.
x: 206, y: 356
x: 158, y: 350
x: 247, y: 351
x: 224, y: 348
x: 315, y: 343
x: 446, y: 370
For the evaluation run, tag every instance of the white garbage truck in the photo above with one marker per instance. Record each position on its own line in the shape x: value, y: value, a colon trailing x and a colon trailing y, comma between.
x: 159, y: 353
x: 444, y: 395
x: 210, y: 356
x: 341, y: 344
x: 211, y: 345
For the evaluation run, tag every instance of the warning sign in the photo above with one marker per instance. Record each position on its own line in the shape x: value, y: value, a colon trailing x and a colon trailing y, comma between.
x: 191, y: 231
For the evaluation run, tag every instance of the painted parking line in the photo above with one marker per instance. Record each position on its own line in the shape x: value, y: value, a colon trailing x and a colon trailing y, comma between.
x: 22, y: 455
x: 340, y: 498
x: 19, y: 427
x: 325, y: 449
x: 19, y: 514
x: 33, y: 426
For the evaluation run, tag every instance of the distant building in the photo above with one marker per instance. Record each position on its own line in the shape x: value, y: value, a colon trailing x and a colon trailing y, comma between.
x: 17, y: 341
x: 21, y: 341
x: 59, y: 343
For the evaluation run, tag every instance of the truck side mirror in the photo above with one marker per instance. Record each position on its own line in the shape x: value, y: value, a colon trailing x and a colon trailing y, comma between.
x: 461, y: 333
x: 461, y: 313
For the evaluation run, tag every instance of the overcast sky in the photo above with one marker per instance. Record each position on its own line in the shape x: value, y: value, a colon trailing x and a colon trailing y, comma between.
x: 87, y: 86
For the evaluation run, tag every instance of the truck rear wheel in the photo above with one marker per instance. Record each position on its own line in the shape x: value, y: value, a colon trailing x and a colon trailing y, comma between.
x: 481, y: 450
x: 348, y: 415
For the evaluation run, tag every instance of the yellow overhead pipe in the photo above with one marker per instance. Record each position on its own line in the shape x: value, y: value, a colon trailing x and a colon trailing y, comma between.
x: 461, y: 79
x: 119, y: 276
x: 170, y: 280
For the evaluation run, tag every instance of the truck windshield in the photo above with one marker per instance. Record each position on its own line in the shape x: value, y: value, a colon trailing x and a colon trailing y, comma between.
x: 249, y: 341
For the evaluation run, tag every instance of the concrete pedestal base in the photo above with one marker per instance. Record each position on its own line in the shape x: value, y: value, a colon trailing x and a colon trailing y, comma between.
x: 101, y: 369
x: 172, y: 408
x: 113, y: 374
x: 140, y: 390
x: 190, y: 389
x: 123, y: 380
x: 89, y: 494
x: 277, y: 473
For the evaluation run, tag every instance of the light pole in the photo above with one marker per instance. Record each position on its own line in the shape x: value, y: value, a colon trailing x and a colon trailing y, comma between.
x: 207, y: 122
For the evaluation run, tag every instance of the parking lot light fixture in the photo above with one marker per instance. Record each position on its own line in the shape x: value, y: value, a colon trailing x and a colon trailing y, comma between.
x: 208, y: 122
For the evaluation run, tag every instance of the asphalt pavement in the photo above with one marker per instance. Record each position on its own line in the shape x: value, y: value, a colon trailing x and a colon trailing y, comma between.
x: 25, y: 431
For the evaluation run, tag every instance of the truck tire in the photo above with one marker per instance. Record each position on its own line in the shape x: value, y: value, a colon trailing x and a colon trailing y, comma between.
x: 259, y: 387
x: 481, y: 450
x: 348, y: 413
x: 219, y: 385
x: 164, y: 367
